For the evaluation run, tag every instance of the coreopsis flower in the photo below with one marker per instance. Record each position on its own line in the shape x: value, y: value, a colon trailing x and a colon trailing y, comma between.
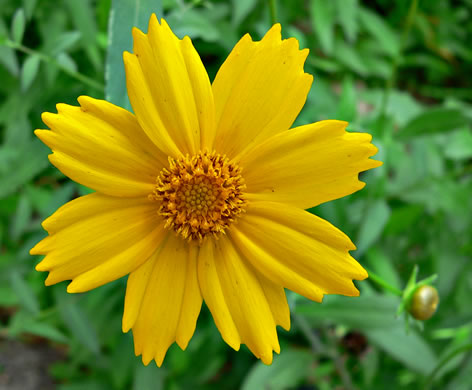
x: 200, y: 194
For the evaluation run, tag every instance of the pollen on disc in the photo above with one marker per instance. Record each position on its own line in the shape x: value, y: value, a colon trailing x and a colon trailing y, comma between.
x: 200, y: 195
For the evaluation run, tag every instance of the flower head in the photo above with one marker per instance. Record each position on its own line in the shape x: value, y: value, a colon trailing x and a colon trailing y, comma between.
x: 200, y: 194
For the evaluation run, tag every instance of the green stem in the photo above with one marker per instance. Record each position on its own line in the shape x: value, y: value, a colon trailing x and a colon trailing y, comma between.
x: 404, y: 36
x: 47, y: 312
x: 319, y: 348
x: 273, y: 11
x: 429, y: 379
x: 315, y: 343
x: 377, y: 279
x: 78, y: 76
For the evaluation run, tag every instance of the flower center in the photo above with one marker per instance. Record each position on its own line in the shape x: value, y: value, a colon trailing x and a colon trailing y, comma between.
x: 200, y: 195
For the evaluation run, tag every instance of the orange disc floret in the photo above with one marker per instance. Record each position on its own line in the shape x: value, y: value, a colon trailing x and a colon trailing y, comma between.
x: 200, y: 194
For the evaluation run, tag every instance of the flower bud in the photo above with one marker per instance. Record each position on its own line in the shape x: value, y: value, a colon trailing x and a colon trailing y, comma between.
x: 424, y: 302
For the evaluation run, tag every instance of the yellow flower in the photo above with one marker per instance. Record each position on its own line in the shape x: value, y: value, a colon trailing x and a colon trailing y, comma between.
x: 200, y: 195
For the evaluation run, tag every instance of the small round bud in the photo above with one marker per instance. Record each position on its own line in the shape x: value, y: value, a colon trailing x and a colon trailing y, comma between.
x: 424, y: 303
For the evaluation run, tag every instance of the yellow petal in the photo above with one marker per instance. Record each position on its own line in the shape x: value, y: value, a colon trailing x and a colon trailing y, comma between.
x: 212, y: 292
x: 166, y: 308
x: 277, y: 300
x: 308, y: 165
x: 297, y: 250
x: 191, y: 301
x: 259, y: 91
x: 236, y: 299
x: 170, y: 91
x: 135, y: 289
x: 97, y: 238
x: 102, y: 147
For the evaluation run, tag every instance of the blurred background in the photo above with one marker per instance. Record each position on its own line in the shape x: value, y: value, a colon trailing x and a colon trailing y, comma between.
x: 397, y: 69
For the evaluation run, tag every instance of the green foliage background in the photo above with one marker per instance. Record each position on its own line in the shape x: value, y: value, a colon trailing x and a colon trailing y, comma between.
x: 398, y: 71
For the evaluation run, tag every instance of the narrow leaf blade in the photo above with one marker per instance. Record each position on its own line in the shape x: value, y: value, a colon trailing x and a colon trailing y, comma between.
x: 124, y: 15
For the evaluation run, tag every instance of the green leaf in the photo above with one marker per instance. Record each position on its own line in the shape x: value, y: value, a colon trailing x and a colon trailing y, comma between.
x: 347, y: 109
x: 44, y: 329
x: 18, y: 132
x: 65, y: 41
x: 24, y: 169
x: 66, y: 61
x: 82, y: 14
x: 22, y: 216
x: 24, y: 292
x: 299, y: 35
x: 377, y: 66
x: 287, y: 370
x: 121, y: 362
x: 7, y: 295
x: 322, y: 20
x: 373, y: 224
x: 150, y: 377
x: 18, y: 25
x: 381, y: 31
x: 193, y: 23
x: 59, y: 197
x: 324, y: 64
x: 241, y: 9
x: 8, y: 55
x: 370, y: 366
x: 437, y: 120
x: 458, y: 145
x: 24, y: 322
x: 124, y: 15
x: 377, y: 311
x: 29, y: 6
x: 375, y: 315
x: 381, y: 264
x: 350, y: 58
x: 410, y: 349
x: 403, y: 218
x: 92, y: 384
x: 78, y: 322
x: 29, y: 71
x: 346, y: 14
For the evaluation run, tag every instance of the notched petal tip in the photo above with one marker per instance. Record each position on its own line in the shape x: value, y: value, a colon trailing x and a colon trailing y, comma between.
x: 308, y: 79
x: 87, y: 102
x: 137, y: 35
x: 182, y: 342
x: 286, y: 326
x: 128, y: 58
x: 50, y: 280
x: 349, y: 288
x: 343, y: 124
x: 146, y: 359
x: 47, y: 118
x: 267, y: 358
x: 375, y: 163
x: 274, y: 33
x: 233, y: 342
x: 355, y: 291
x: 166, y: 25
x: 35, y: 251
x: 304, y: 54
x: 42, y: 247
x: 159, y: 359
x: 74, y: 287
x: 363, y: 274
x: 125, y: 327
x: 38, y: 132
x: 154, y: 19
x: 41, y: 267
x: 53, y: 158
x: 63, y: 108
